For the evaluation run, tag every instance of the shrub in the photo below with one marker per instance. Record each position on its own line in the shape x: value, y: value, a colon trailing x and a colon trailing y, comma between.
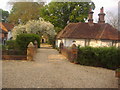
x: 24, y: 39
x: 51, y: 41
x: 11, y: 44
x: 107, y: 57
x: 118, y: 70
x: 2, y: 47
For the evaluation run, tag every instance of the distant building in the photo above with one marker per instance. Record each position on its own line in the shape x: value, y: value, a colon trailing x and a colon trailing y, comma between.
x: 5, y: 31
x: 99, y: 34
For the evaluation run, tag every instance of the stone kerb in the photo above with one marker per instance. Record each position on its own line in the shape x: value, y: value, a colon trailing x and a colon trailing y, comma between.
x: 30, y: 51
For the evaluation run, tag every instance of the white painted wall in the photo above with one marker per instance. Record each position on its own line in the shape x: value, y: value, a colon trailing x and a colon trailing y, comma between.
x: 58, y: 42
x: 81, y: 42
x: 118, y: 44
x: 9, y: 35
x: 106, y: 43
x: 95, y: 43
x: 69, y: 42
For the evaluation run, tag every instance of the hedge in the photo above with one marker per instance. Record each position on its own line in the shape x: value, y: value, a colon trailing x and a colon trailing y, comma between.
x: 106, y: 57
x: 51, y: 41
x: 24, y: 39
x: 11, y: 44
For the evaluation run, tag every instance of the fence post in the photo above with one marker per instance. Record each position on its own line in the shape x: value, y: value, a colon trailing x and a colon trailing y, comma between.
x: 30, y: 51
x: 74, y: 53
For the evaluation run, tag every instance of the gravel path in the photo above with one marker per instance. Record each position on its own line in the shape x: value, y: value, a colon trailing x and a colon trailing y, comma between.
x: 52, y: 70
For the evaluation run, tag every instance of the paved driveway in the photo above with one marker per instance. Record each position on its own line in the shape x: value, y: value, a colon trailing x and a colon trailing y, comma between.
x: 52, y: 70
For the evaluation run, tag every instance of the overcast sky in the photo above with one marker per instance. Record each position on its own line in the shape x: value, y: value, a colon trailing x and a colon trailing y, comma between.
x: 109, y: 6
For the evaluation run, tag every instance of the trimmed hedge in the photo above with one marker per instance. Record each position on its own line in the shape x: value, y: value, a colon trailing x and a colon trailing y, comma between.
x: 106, y: 57
x: 11, y: 44
x: 24, y: 39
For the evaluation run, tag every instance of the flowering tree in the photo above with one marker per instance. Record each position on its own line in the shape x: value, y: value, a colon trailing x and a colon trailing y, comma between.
x: 39, y: 27
x: 18, y: 30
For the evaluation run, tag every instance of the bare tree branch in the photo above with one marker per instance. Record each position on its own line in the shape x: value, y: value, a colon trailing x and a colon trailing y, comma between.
x: 112, y: 19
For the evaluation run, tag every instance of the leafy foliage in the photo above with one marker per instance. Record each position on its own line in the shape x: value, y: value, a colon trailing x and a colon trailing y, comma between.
x: 24, y: 39
x: 51, y: 41
x: 60, y: 13
x: 107, y: 57
x: 11, y: 44
x: 118, y: 70
x: 5, y: 15
x: 24, y: 11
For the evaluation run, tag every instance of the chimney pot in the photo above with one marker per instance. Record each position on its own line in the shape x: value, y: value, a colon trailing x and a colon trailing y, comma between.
x: 90, y: 17
x: 102, y: 10
x: 101, y: 16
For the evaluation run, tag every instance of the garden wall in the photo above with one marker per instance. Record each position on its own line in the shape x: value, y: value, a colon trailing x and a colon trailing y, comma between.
x: 69, y: 53
x: 14, y: 57
x: 20, y: 55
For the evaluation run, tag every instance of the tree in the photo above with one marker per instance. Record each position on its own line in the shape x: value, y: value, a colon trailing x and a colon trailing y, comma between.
x: 24, y: 11
x: 39, y: 27
x: 5, y: 15
x: 112, y: 19
x: 61, y: 13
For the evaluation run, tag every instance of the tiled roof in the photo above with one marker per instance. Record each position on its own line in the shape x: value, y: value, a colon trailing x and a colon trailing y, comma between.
x: 85, y: 31
x: 6, y: 26
x: 3, y: 27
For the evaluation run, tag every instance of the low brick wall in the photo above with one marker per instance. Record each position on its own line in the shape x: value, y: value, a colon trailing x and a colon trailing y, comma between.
x: 14, y: 57
x: 69, y: 53
x: 14, y: 52
x: 20, y: 55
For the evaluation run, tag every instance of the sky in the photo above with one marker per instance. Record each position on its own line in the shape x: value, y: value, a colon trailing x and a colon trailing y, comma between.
x: 109, y: 6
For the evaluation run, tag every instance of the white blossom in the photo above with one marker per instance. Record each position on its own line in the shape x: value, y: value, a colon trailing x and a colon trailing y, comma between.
x: 18, y: 30
x: 39, y: 27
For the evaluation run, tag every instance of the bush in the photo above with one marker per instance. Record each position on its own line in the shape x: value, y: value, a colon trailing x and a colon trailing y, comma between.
x: 11, y: 44
x: 118, y: 70
x: 51, y: 41
x: 107, y: 57
x: 2, y: 47
x: 24, y: 39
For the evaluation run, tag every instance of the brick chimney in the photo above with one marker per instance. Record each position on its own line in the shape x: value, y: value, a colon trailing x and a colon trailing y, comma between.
x: 101, y: 16
x: 90, y: 17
